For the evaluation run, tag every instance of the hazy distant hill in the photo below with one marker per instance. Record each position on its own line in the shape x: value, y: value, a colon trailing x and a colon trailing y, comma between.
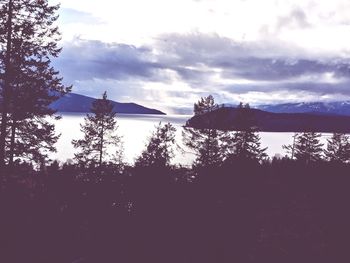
x: 334, y: 108
x: 78, y: 103
x: 225, y: 118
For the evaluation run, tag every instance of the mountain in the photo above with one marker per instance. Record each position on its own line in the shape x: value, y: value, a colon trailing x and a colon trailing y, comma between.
x: 73, y: 102
x: 326, y: 108
x: 225, y: 119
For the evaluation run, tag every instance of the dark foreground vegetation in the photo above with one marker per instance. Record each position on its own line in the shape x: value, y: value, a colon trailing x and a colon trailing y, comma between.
x: 279, y: 211
x: 234, y: 205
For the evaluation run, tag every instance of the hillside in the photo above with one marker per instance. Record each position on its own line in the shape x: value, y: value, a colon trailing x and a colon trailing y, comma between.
x: 73, y: 102
x: 225, y: 119
x: 326, y: 108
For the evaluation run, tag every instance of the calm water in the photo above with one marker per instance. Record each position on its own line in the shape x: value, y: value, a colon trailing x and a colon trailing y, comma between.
x: 136, y: 129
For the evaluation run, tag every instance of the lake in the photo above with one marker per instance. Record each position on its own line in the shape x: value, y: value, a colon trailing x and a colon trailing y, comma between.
x: 136, y: 129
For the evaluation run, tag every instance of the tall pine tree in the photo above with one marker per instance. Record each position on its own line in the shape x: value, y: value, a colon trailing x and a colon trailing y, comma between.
x: 99, y: 131
x: 206, y: 142
x: 338, y: 148
x: 245, y: 142
x: 28, y: 42
x: 159, y: 150
x: 306, y: 147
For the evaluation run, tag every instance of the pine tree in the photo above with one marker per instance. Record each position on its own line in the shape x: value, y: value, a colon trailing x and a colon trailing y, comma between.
x: 28, y: 41
x: 205, y: 105
x: 31, y: 140
x: 338, y: 148
x: 245, y: 142
x: 206, y: 142
x: 306, y: 147
x: 159, y: 151
x: 99, y: 130
x: 246, y: 145
x: 290, y: 149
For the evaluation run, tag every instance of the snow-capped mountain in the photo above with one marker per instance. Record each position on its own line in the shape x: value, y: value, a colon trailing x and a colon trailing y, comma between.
x: 327, y: 108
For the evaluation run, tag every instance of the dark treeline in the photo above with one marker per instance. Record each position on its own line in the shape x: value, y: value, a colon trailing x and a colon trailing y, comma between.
x: 233, y: 205
x: 279, y: 211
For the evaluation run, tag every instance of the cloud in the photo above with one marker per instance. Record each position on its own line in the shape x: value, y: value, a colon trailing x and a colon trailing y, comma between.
x: 309, y: 87
x: 71, y: 16
x: 177, y: 69
x: 294, y: 20
x: 257, y: 69
x: 249, y: 60
x: 89, y: 59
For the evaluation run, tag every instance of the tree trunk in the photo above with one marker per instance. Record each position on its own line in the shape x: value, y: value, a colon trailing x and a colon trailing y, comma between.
x: 6, y: 87
x: 101, y: 146
x: 12, y: 142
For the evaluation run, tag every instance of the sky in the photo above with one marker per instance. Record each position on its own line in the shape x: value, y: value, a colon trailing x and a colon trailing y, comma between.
x: 166, y: 54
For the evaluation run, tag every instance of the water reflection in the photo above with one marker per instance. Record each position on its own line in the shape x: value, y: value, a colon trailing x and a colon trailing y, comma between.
x: 136, y: 129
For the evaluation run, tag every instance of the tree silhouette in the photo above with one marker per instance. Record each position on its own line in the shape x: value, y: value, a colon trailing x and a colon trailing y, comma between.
x: 338, y: 148
x: 28, y: 41
x: 245, y: 142
x: 205, y: 142
x: 306, y: 147
x: 159, y: 151
x: 99, y: 132
x: 31, y: 139
x: 205, y: 105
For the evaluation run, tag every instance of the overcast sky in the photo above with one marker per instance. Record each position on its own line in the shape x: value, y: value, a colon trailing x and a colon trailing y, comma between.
x: 166, y: 54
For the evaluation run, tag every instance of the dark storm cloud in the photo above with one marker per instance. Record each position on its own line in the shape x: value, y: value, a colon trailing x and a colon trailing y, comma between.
x: 188, y: 55
x: 320, y: 88
x: 246, y: 60
x: 309, y: 87
x: 280, y: 69
x: 194, y: 77
x: 86, y: 60
x: 197, y: 58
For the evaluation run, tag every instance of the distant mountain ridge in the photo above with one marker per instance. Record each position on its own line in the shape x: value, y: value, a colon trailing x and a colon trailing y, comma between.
x: 225, y: 119
x: 73, y: 102
x: 319, y: 108
x: 326, y: 108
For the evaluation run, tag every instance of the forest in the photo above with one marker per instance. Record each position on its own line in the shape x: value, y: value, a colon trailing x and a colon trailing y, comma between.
x: 234, y: 204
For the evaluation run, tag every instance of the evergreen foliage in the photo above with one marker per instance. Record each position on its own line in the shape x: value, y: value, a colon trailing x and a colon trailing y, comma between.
x: 306, y: 147
x: 99, y: 131
x: 205, y: 105
x: 264, y: 212
x: 338, y: 148
x: 206, y: 143
x: 34, y: 140
x: 28, y: 42
x: 245, y: 142
x: 159, y: 151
